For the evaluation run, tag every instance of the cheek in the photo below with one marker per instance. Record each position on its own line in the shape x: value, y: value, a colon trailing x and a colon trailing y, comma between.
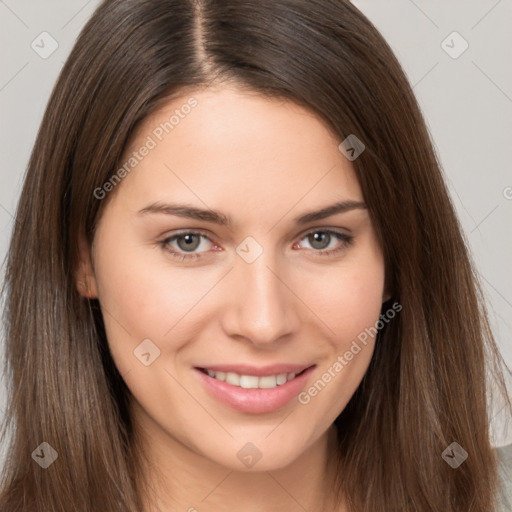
x: 143, y: 298
x: 348, y: 298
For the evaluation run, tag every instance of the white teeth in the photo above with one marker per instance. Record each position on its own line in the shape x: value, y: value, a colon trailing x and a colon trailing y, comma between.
x: 232, y: 378
x: 281, y: 378
x: 267, y: 382
x: 252, y: 381
x: 248, y: 381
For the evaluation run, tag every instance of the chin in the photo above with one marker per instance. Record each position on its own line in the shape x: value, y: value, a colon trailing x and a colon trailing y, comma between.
x: 261, y: 454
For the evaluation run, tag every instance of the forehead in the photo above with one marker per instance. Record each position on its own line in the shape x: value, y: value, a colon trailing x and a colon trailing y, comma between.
x: 229, y: 149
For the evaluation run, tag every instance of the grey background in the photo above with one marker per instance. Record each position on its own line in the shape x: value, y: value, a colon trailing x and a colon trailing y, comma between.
x: 467, y: 103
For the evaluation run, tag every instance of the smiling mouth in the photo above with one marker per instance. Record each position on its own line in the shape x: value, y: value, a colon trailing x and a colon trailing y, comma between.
x: 252, y: 381
x: 252, y: 389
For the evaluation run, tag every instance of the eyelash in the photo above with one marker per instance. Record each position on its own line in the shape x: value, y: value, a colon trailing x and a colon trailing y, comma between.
x: 344, y: 238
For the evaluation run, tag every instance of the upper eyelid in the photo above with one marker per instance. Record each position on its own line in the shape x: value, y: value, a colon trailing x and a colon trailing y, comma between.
x: 188, y: 232
x: 206, y: 235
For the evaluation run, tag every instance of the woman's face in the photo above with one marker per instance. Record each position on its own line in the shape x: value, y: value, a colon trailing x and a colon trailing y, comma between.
x: 218, y: 282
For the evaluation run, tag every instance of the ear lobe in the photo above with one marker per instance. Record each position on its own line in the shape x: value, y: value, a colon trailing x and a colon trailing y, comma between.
x: 85, y: 278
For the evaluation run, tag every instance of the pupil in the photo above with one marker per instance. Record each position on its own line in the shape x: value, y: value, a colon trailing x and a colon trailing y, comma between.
x: 319, y: 240
x: 189, y: 244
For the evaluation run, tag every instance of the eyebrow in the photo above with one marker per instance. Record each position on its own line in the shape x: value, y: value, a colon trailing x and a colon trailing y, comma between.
x: 213, y: 216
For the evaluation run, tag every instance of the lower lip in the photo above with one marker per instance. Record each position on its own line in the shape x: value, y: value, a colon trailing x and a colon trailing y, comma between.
x: 255, y: 401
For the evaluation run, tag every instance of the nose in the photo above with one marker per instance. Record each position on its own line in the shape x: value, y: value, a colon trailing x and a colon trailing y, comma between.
x: 262, y: 307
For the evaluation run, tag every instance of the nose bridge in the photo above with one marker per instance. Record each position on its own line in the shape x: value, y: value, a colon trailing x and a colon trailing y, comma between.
x: 262, y: 307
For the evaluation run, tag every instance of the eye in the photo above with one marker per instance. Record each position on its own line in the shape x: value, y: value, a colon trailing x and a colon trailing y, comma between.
x: 321, y: 239
x: 183, y: 246
x: 186, y: 243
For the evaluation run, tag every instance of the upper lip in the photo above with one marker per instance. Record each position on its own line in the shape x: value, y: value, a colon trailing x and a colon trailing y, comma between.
x: 261, y: 371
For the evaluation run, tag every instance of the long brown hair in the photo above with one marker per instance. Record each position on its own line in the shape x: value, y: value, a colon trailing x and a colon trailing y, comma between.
x: 427, y: 383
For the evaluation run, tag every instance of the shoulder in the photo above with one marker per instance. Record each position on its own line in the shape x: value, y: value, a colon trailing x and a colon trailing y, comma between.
x: 504, y: 454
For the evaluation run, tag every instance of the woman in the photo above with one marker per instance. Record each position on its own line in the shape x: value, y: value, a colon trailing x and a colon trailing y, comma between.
x: 236, y: 280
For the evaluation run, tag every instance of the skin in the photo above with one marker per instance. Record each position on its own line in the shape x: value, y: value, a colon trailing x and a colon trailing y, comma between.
x: 263, y: 162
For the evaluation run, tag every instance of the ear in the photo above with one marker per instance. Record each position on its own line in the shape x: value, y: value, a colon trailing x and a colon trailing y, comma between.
x: 85, y: 276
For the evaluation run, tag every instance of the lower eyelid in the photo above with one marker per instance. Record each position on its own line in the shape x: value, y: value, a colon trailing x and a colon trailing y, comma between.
x: 167, y: 241
x: 343, y: 238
